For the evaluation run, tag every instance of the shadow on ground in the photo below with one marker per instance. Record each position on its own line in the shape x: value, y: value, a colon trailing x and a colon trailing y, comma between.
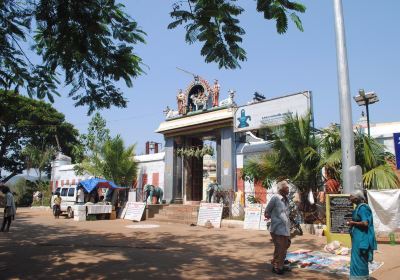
x: 35, y: 251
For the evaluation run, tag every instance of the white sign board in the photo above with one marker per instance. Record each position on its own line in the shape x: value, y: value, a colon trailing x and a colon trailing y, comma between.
x: 252, y: 216
x: 210, y: 212
x: 271, y: 112
x: 263, y: 221
x: 134, y: 211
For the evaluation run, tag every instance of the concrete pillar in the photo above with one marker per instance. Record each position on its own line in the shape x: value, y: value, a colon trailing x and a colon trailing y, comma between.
x: 218, y: 152
x: 227, y: 160
x: 170, y: 166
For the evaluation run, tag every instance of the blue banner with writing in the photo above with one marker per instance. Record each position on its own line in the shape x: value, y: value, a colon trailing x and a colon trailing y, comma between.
x: 396, y: 139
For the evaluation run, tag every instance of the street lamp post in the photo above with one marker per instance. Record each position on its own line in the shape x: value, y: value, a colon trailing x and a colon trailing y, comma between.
x: 365, y: 99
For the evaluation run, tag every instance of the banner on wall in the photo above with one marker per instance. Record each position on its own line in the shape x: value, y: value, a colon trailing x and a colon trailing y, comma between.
x: 385, y: 206
x: 396, y: 139
x: 271, y: 112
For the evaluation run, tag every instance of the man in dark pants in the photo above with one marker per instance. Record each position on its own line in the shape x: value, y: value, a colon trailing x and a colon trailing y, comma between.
x: 278, y: 211
x: 9, y: 209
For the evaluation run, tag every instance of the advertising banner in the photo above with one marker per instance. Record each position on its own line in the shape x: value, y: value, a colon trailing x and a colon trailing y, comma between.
x: 271, y: 112
x: 396, y: 139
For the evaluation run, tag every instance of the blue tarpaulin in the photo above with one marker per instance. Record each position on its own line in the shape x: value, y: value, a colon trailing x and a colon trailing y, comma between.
x: 90, y: 184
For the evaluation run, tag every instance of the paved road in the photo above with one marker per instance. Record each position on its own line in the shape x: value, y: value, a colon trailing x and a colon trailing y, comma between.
x: 41, y: 247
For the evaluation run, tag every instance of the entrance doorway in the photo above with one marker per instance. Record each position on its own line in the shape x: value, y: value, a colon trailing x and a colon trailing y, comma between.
x: 195, y: 167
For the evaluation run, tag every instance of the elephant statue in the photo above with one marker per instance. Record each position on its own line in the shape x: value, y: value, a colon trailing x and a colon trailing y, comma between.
x: 153, y: 191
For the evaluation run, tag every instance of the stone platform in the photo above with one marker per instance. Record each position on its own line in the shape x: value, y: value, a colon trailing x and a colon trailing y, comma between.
x: 173, y: 213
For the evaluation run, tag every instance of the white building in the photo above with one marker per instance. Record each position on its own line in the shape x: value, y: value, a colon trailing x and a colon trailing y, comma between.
x: 382, y: 132
x: 63, y: 173
x: 150, y: 171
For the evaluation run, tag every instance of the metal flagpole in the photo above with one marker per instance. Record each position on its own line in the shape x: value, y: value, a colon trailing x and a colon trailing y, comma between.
x: 346, y: 122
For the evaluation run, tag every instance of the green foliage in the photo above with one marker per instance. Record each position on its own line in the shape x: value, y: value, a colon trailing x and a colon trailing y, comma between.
x: 298, y: 155
x: 113, y: 162
x: 90, y: 43
x: 197, y: 152
x: 22, y: 198
x: 294, y: 155
x: 369, y: 154
x: 92, y: 143
x: 215, y: 23
x: 253, y: 199
x: 24, y: 190
x: 279, y: 10
x: 30, y: 124
x: 90, y: 40
x: 97, y: 135
x: 106, y: 157
x: 44, y: 188
x: 38, y: 157
x: 119, y: 164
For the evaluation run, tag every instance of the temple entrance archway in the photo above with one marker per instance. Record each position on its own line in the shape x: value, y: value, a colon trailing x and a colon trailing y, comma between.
x: 186, y: 132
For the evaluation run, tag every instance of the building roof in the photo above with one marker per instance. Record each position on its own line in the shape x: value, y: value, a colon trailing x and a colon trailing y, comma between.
x: 198, y: 121
x: 150, y: 157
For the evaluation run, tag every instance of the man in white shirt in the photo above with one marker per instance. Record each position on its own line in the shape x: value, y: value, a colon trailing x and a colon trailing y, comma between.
x: 278, y: 211
x: 9, y: 209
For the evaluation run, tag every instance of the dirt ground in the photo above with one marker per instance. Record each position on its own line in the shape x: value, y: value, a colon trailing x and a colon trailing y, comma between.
x: 39, y: 246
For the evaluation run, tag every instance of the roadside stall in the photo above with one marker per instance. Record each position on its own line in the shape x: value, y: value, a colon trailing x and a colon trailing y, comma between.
x: 98, y: 199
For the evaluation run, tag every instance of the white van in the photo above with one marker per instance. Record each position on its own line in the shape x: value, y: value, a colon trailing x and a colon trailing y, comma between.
x: 68, y: 199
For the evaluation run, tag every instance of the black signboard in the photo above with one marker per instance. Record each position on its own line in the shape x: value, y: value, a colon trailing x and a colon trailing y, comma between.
x: 341, y: 210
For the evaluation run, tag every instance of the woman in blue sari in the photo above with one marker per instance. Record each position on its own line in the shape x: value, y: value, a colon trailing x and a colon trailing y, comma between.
x: 363, y: 242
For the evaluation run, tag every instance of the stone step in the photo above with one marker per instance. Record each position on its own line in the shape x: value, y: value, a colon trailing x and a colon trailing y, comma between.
x: 175, y: 216
x: 182, y: 208
x: 177, y: 213
x: 181, y: 213
x: 174, y: 221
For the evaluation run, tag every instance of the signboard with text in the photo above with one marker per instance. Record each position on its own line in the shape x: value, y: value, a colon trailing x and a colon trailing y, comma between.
x: 396, y: 139
x: 252, y: 216
x: 271, y: 112
x: 341, y: 210
x: 134, y: 211
x: 210, y: 212
x: 338, y: 212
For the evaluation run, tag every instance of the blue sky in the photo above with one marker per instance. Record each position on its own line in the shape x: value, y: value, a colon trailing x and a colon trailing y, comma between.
x: 276, y: 64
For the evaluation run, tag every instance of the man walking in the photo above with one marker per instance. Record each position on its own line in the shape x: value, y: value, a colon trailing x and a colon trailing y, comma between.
x: 9, y: 209
x: 278, y: 211
x: 57, y: 206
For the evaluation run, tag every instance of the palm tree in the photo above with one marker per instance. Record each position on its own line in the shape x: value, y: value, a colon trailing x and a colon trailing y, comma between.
x: 119, y: 165
x: 299, y: 155
x: 114, y: 162
x: 294, y: 155
x: 369, y: 154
